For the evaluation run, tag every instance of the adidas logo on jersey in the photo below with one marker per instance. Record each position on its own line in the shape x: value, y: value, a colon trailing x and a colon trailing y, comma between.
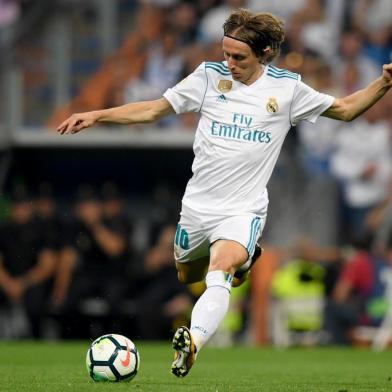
x: 222, y: 98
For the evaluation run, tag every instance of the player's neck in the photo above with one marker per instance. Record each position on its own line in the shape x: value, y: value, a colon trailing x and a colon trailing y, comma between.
x: 255, y: 76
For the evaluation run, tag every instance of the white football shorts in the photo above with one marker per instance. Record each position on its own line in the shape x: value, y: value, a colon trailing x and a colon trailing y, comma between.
x: 196, y: 232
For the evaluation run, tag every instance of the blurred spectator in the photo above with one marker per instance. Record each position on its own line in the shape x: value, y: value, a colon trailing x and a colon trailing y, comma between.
x: 373, y: 14
x: 183, y: 19
x: 362, y: 162
x: 165, y: 201
x: 354, y: 70
x: 162, y: 69
x: 329, y: 257
x: 318, y: 188
x: 308, y: 23
x: 374, y: 19
x: 322, y: 32
x: 296, y: 9
x: 163, y: 302
x: 26, y: 262
x: 379, y: 222
x: 359, y: 295
x: 210, y: 29
x: 9, y: 15
x: 116, y: 221
x: 299, y: 278
x: 55, y: 232
x: 100, y: 258
x: 298, y: 289
x: 317, y: 145
x: 48, y: 219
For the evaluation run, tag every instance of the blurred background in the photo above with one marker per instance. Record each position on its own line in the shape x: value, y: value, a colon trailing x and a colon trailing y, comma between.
x: 87, y: 221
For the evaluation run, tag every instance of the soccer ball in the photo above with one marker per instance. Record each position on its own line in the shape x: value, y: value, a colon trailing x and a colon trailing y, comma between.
x: 112, y: 358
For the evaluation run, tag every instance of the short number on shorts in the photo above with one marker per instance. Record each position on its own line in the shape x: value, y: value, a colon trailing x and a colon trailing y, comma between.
x: 182, y: 238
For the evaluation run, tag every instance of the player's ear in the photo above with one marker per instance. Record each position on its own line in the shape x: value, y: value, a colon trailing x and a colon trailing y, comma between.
x: 266, y: 54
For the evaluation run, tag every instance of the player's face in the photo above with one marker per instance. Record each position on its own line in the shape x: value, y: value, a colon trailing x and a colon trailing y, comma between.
x: 242, y: 62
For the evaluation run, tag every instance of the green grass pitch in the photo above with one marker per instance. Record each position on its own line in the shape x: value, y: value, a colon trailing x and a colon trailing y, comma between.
x: 52, y: 367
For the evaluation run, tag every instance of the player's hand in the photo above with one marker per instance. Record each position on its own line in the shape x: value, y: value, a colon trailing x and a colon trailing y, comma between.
x: 77, y: 122
x: 387, y: 73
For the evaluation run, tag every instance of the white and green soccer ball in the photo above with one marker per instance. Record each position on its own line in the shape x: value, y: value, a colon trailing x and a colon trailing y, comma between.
x: 112, y: 358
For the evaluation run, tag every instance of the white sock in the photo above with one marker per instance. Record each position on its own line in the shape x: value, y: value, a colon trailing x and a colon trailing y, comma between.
x: 211, y: 307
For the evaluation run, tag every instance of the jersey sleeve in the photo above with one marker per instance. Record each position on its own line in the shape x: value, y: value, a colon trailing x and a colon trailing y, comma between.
x: 308, y: 104
x: 188, y: 95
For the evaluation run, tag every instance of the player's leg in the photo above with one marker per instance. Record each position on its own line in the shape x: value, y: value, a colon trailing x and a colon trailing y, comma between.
x: 225, y: 258
x: 185, y: 350
x: 233, y: 242
x: 253, y: 248
x: 196, y: 270
x: 242, y: 274
x: 191, y: 248
x: 191, y: 251
x: 190, y: 271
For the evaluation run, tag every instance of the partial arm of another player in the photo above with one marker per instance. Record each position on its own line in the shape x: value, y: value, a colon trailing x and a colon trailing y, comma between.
x: 352, y: 106
x: 131, y: 113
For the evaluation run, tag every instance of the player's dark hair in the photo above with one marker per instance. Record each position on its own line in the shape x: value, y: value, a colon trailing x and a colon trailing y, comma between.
x: 259, y: 31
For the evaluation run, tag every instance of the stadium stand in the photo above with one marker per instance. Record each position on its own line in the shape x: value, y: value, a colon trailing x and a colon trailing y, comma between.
x: 64, y: 56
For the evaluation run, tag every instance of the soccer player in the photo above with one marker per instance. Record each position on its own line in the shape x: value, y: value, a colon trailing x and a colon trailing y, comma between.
x: 247, y: 107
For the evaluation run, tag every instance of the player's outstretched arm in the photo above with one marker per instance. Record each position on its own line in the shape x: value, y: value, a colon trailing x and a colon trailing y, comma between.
x: 352, y: 106
x: 131, y: 113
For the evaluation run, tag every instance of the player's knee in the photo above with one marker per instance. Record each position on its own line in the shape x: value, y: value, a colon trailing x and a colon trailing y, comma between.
x: 227, y: 256
x: 222, y: 265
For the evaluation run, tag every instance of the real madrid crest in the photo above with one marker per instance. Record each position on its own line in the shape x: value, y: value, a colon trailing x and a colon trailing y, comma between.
x: 272, y: 105
x: 224, y: 86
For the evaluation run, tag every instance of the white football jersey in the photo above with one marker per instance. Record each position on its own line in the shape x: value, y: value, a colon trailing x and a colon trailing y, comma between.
x: 240, y: 132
